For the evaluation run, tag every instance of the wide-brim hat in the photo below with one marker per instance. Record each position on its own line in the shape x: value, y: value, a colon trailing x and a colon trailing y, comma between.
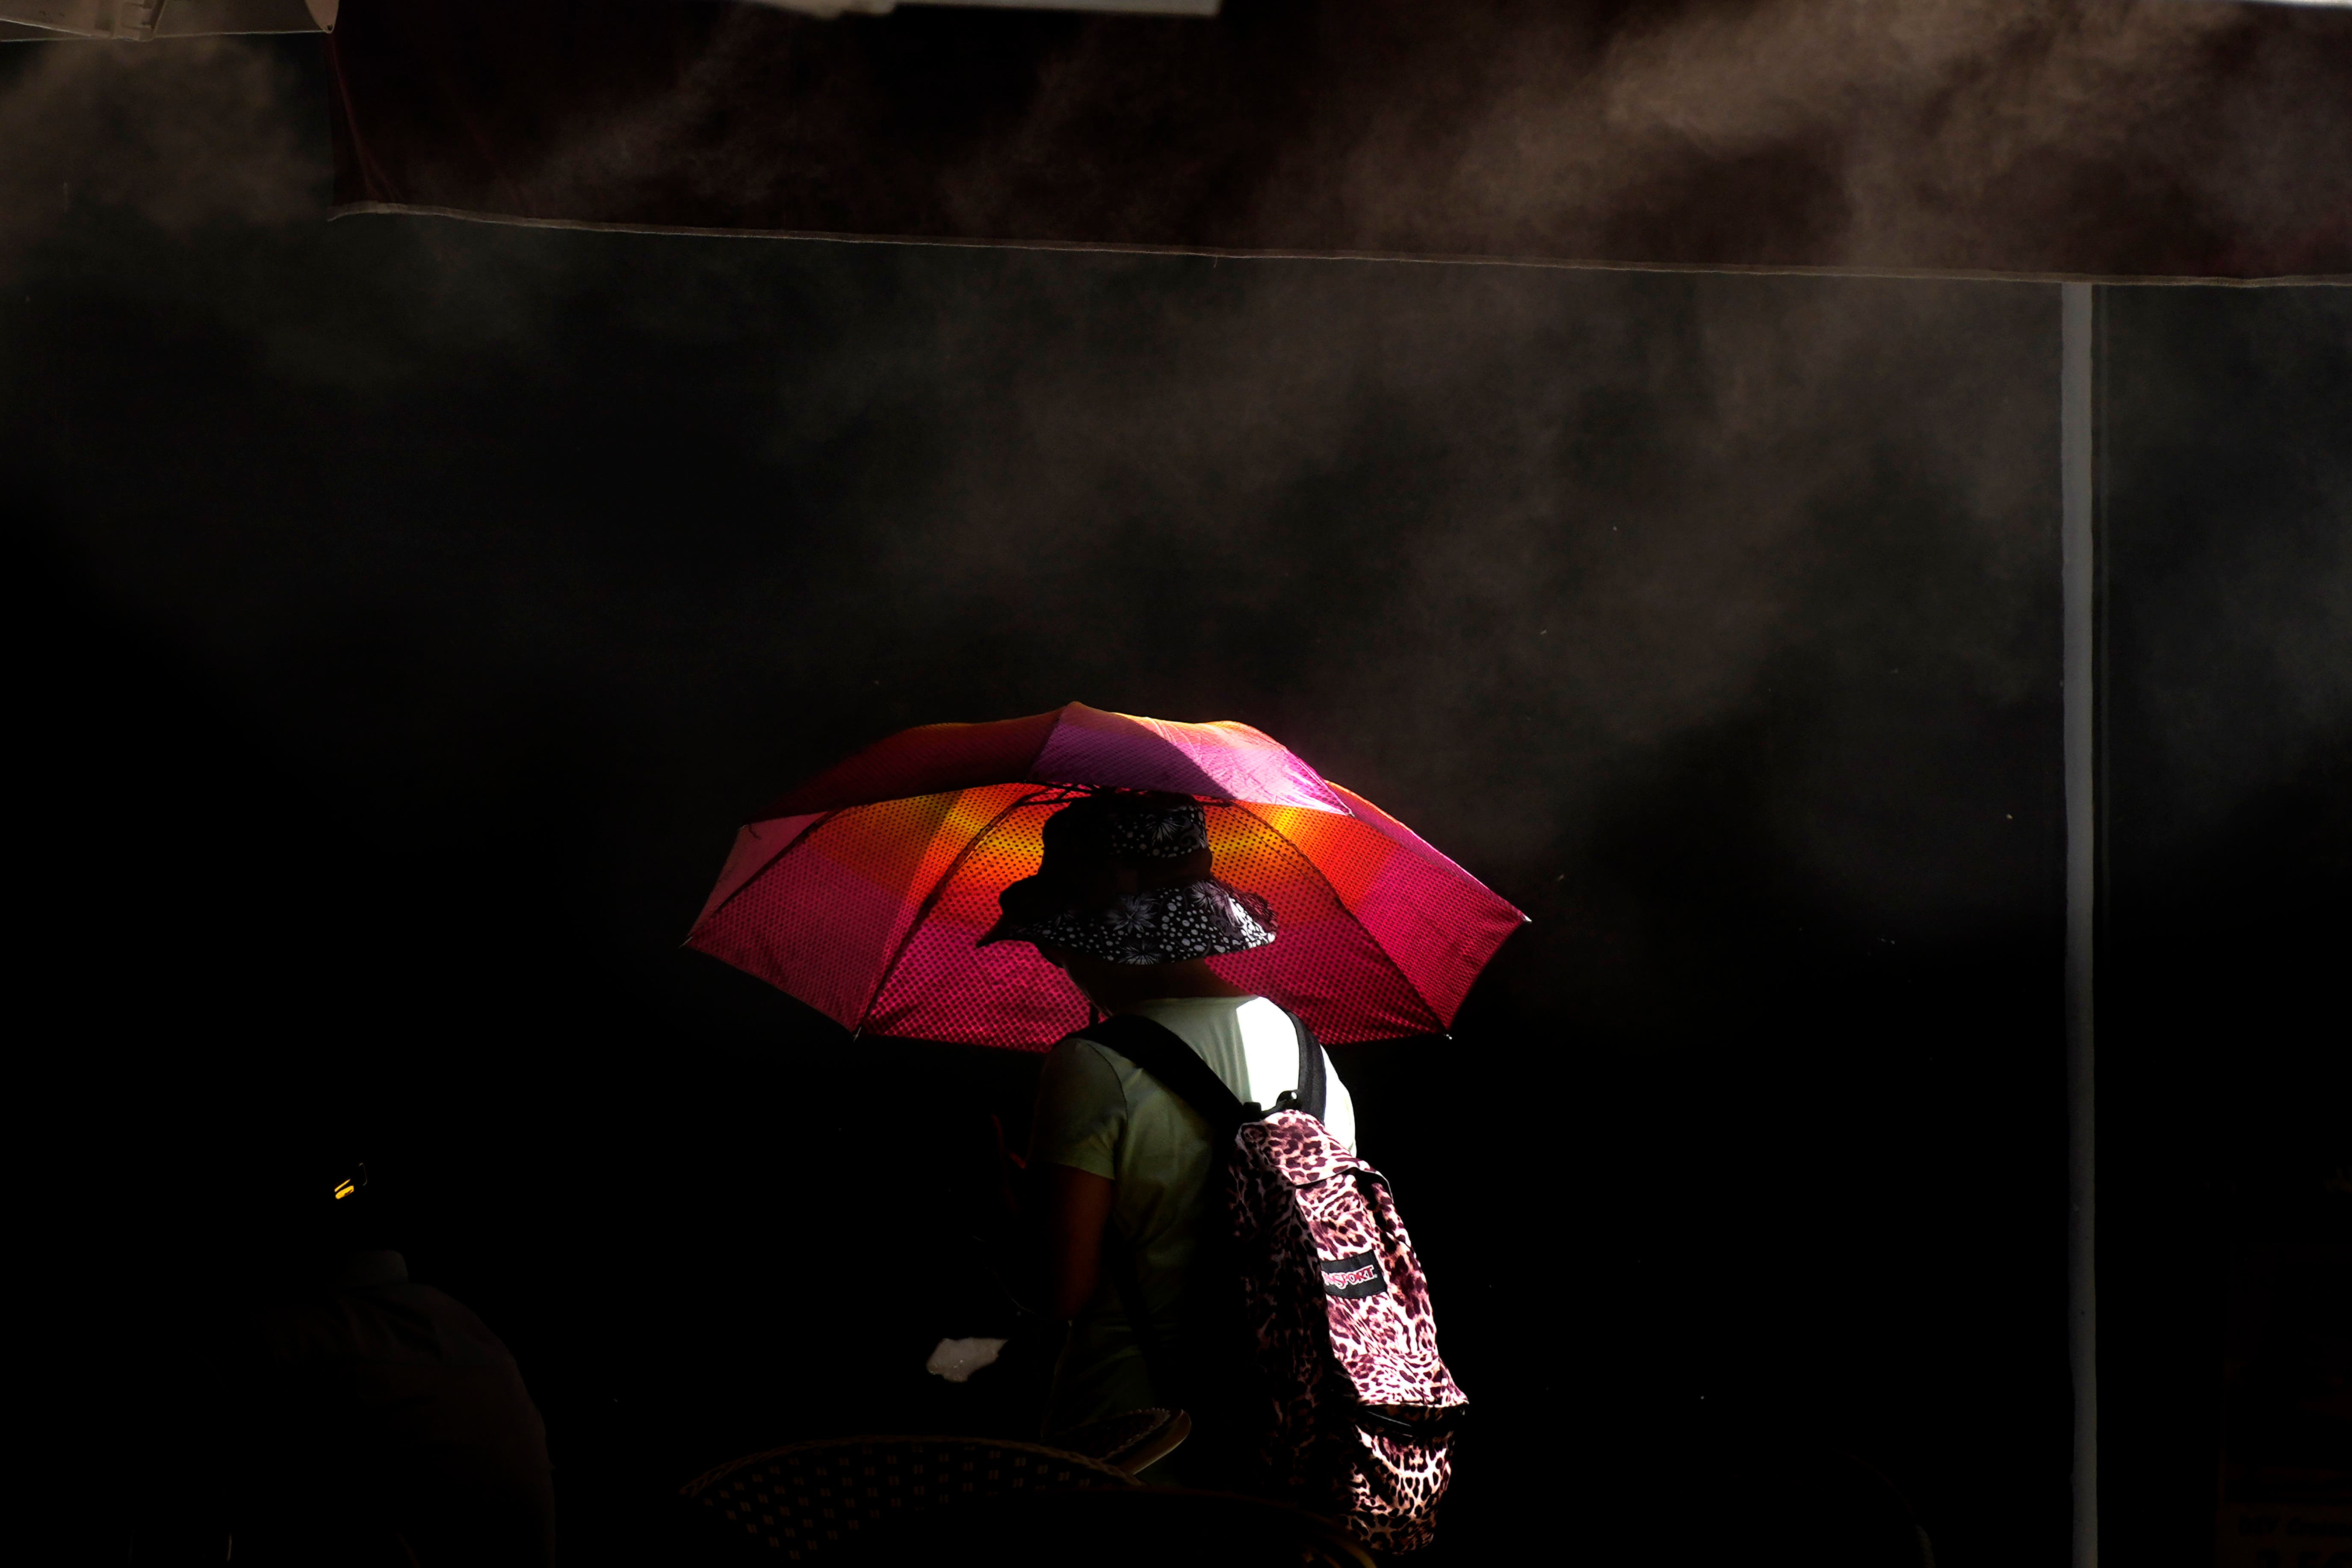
x: 1127, y: 878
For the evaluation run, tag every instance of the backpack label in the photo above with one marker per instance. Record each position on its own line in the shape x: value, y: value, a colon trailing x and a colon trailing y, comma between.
x: 1353, y: 1277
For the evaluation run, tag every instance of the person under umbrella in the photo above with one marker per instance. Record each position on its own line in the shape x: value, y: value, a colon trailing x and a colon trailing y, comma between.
x: 1128, y: 904
x: 948, y: 882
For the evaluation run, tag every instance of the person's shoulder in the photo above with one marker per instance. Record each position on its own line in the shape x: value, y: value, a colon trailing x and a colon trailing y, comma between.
x: 454, y: 1333
x: 1080, y: 1067
x: 1107, y: 1056
x: 395, y: 1321
x: 1078, y: 1050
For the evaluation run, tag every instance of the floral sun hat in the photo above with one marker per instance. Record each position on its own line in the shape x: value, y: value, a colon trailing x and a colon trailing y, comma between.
x: 1127, y: 878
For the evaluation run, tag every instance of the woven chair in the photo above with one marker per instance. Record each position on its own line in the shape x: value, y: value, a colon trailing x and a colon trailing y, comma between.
x: 1132, y: 1441
x: 807, y: 1499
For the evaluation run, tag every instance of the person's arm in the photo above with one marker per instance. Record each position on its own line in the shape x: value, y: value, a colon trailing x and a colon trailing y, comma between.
x: 1077, y: 1207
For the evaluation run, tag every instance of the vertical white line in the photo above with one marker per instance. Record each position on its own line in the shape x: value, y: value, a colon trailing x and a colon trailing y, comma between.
x: 2078, y: 543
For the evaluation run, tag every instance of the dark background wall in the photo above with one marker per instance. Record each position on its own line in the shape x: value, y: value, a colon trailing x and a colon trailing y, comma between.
x: 409, y: 611
x: 2225, y: 1111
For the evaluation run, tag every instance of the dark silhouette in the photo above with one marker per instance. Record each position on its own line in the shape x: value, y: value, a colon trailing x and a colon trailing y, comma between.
x: 375, y: 1420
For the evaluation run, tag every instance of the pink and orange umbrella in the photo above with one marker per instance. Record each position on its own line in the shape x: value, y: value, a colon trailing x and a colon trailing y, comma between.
x: 863, y: 891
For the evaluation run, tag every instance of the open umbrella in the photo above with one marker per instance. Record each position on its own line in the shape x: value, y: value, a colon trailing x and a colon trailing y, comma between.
x: 863, y: 892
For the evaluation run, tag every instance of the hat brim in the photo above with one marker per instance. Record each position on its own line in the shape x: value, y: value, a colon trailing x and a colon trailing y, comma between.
x: 1175, y: 924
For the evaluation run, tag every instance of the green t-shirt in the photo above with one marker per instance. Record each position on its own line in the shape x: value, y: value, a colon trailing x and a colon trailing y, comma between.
x: 1097, y: 1111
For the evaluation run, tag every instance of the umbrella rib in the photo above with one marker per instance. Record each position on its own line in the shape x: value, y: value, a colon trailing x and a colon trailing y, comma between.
x: 932, y: 897
x: 823, y: 818
x: 1394, y: 968
x: 1044, y: 741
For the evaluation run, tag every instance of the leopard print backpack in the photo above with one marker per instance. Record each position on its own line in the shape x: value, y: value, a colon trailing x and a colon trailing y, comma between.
x: 1348, y: 1408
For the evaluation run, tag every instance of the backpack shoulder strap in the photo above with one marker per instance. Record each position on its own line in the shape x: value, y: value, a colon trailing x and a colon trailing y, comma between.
x: 1311, y: 1091
x: 1160, y: 1052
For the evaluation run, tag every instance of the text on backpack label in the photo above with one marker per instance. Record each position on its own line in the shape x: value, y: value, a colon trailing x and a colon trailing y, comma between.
x: 1353, y: 1277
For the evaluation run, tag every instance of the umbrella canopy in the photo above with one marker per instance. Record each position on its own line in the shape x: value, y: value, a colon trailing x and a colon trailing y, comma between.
x: 863, y: 892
